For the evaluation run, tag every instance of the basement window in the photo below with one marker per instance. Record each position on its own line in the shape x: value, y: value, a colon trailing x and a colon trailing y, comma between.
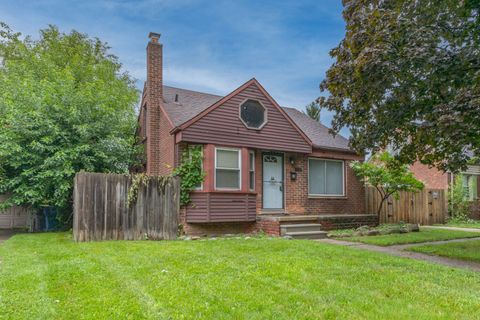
x: 253, y: 114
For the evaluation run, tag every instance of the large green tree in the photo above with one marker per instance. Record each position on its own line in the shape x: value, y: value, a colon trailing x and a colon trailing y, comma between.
x: 407, y: 75
x: 65, y: 106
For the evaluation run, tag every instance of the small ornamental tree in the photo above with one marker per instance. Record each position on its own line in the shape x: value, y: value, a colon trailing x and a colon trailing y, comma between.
x: 387, y: 175
x: 458, y: 206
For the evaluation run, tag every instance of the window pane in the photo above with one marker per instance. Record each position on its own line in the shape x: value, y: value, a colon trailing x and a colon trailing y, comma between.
x: 252, y: 180
x: 252, y: 160
x: 316, y: 177
x: 227, y: 159
x: 334, y: 183
x: 252, y: 113
x: 228, y: 179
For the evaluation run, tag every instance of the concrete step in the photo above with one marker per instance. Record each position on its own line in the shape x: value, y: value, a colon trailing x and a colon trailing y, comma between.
x: 307, y: 234
x: 300, y: 227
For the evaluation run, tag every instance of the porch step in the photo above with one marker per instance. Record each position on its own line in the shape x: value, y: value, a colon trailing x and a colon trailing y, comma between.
x: 307, y: 234
x: 299, y: 227
x: 303, y: 231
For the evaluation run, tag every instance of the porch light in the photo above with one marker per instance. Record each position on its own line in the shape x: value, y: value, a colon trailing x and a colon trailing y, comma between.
x: 293, y: 176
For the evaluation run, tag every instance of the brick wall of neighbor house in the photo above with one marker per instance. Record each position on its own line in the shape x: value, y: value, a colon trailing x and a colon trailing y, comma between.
x: 431, y: 177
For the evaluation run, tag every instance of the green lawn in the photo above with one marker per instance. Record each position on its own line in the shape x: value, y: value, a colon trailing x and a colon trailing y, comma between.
x: 475, y: 225
x: 47, y: 276
x: 424, y: 235
x: 469, y: 250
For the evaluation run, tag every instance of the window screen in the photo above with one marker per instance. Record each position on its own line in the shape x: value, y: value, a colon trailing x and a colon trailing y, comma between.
x: 325, y: 177
x: 252, y: 114
x: 227, y: 169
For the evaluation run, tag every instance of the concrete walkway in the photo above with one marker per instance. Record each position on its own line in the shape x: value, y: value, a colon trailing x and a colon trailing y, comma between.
x: 6, y: 234
x: 398, y: 250
x: 452, y: 228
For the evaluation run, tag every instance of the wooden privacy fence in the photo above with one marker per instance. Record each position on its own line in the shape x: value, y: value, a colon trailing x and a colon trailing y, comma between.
x: 425, y: 207
x: 101, y: 210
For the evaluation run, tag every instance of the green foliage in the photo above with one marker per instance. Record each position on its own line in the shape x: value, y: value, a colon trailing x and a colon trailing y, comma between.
x: 65, y: 106
x: 407, y: 75
x: 458, y: 206
x: 313, y: 111
x: 191, y: 173
x: 388, y: 175
x: 141, y: 180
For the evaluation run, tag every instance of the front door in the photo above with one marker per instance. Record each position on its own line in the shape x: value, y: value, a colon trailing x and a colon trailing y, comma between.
x: 272, y: 181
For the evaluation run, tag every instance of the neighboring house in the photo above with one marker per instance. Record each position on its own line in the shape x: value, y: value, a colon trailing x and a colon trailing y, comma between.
x: 436, y: 179
x: 265, y: 165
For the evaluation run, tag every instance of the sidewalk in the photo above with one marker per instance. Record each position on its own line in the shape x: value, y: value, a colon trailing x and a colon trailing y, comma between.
x: 398, y: 250
x: 453, y: 228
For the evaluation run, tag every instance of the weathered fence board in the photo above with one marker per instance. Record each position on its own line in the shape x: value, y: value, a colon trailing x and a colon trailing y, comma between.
x: 14, y: 217
x: 101, y: 210
x: 426, y: 207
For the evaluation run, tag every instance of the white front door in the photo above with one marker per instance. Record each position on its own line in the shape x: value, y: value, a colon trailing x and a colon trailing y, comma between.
x: 272, y: 181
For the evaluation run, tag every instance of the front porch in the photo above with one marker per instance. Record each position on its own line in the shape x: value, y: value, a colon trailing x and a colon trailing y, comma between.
x: 312, y: 226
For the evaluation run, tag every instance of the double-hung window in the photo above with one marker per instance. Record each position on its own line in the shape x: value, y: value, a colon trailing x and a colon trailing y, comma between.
x: 252, y: 170
x: 326, y: 177
x: 227, y: 168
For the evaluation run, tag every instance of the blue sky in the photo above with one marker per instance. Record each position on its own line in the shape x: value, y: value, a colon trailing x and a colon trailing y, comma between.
x: 211, y: 46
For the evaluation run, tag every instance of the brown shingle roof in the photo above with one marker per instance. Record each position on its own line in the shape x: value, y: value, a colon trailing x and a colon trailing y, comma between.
x: 317, y: 132
x: 191, y: 103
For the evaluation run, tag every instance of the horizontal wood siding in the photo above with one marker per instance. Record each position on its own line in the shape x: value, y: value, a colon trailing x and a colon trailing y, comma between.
x: 222, y: 126
x: 209, y: 207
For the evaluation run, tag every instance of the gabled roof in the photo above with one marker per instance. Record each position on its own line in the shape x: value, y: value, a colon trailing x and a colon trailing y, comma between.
x: 317, y: 132
x: 191, y: 105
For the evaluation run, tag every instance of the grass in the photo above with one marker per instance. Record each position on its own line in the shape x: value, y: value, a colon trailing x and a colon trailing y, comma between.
x: 47, y: 276
x: 468, y: 250
x: 475, y: 225
x: 424, y: 235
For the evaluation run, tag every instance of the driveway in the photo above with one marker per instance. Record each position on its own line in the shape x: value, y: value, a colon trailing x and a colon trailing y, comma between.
x: 5, y: 234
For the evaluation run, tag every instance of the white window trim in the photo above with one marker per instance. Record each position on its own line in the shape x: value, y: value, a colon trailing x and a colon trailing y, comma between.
x: 251, y: 169
x: 201, y: 149
x: 239, y: 152
x: 326, y: 195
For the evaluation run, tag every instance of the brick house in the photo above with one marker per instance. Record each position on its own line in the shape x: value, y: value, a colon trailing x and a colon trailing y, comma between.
x: 436, y: 179
x: 267, y: 167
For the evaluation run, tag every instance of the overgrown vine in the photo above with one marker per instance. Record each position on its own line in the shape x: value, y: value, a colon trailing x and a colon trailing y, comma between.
x: 191, y: 173
x: 139, y: 180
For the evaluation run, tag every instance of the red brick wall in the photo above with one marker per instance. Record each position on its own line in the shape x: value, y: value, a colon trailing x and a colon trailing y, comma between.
x: 299, y: 202
x: 154, y: 88
x: 431, y: 177
x: 296, y: 192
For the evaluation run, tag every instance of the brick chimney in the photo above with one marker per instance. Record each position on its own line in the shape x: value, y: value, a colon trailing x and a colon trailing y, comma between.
x: 154, y: 100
